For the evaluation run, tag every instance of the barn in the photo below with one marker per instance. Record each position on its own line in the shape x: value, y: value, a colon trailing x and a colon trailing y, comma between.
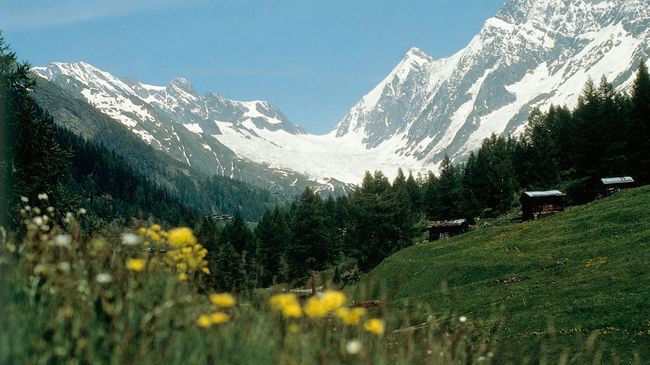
x: 612, y: 185
x: 534, y: 203
x: 445, y: 229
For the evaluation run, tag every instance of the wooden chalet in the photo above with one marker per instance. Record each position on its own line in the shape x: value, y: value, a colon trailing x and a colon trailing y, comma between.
x: 612, y: 185
x: 534, y: 203
x: 445, y: 229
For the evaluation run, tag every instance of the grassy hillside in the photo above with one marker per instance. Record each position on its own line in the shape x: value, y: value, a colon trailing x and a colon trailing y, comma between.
x: 556, y: 280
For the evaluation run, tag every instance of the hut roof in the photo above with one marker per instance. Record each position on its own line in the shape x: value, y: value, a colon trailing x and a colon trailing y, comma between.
x: 452, y: 223
x: 617, y: 180
x: 539, y: 194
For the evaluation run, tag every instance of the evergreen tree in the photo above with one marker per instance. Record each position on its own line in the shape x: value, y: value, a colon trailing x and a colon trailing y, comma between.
x: 273, y: 236
x: 639, y: 137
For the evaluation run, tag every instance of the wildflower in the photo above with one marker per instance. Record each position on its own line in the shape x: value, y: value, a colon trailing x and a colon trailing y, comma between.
x: 350, y: 317
x: 50, y: 209
x: 462, y: 319
x: 38, y: 220
x: 375, y: 326
x: 182, y: 276
x: 103, y: 278
x: 182, y: 236
x: 136, y: 265
x: 42, y: 196
x: 64, y: 266
x: 82, y: 211
x: 292, y: 310
x: 130, y: 239
x: 223, y: 300
x: 156, y: 228
x: 206, y: 270
x: 314, y: 308
x: 62, y: 240
x: 294, y: 328
x: 219, y: 317
x: 332, y: 300
x: 153, y: 236
x: 279, y: 301
x: 24, y: 199
x: 353, y: 347
x: 204, y: 321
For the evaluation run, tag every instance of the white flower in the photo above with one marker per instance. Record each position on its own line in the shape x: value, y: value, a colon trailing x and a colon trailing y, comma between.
x: 82, y: 211
x: 38, y: 220
x: 462, y: 319
x: 103, y: 278
x: 62, y: 240
x: 130, y: 239
x: 24, y: 199
x: 42, y: 196
x: 353, y: 347
x: 50, y: 209
x: 37, y: 210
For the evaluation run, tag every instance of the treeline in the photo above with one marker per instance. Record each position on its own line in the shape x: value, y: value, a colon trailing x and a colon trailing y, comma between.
x: 607, y: 134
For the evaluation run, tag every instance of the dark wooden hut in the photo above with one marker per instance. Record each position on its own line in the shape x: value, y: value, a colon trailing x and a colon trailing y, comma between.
x: 446, y: 229
x: 612, y: 185
x: 534, y: 203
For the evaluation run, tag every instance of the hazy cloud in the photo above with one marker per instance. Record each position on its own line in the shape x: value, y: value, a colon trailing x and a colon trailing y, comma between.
x: 34, y: 14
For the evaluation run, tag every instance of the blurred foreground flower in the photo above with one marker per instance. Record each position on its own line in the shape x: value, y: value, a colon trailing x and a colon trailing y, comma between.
x: 223, y: 300
x: 136, y: 265
x: 375, y: 326
x: 353, y: 347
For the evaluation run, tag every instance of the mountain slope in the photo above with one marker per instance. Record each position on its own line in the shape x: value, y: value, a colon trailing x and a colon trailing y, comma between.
x: 174, y: 120
x: 582, y: 270
x: 531, y: 54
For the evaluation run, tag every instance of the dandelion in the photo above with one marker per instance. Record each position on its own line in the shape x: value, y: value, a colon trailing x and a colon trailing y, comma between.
x: 292, y: 310
x: 314, y: 308
x: 332, y: 300
x: 130, y: 239
x: 24, y: 199
x: 62, y: 240
x: 223, y: 300
x: 103, y: 278
x: 206, y: 270
x: 219, y: 318
x: 462, y: 319
x: 353, y: 347
x: 350, y: 317
x: 136, y: 265
x: 156, y: 228
x: 375, y: 326
x: 279, y: 301
x: 204, y: 321
x: 182, y: 236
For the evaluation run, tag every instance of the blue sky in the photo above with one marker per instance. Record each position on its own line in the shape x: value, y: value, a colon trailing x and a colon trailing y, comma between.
x: 313, y: 59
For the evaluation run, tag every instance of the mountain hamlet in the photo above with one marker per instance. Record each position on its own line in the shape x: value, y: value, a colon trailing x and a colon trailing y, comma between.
x: 486, y: 208
x: 532, y: 54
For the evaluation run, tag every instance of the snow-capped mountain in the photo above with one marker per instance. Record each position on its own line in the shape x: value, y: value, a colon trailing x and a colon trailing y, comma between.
x: 533, y: 53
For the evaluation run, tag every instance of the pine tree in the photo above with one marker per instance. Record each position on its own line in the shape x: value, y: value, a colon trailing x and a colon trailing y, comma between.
x: 639, y: 137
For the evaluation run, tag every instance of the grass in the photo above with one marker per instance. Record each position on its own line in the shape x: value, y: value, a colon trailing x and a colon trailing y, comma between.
x: 570, y: 286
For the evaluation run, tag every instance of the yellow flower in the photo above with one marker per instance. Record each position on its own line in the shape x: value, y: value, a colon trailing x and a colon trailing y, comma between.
x: 223, y: 300
x: 156, y: 228
x: 204, y: 321
x: 182, y: 236
x: 279, y: 301
x: 332, y: 300
x: 294, y: 328
x: 153, y: 236
x: 219, y: 318
x: 314, y: 308
x: 136, y: 265
x: 292, y: 310
x: 350, y: 317
x: 375, y: 326
x: 182, y: 276
x: 206, y: 270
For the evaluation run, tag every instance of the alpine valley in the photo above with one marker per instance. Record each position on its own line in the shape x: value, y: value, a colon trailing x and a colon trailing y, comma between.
x: 532, y: 54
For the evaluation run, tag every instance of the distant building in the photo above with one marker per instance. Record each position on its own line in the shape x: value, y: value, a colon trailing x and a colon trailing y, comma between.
x: 534, y: 203
x: 446, y: 229
x: 612, y: 185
